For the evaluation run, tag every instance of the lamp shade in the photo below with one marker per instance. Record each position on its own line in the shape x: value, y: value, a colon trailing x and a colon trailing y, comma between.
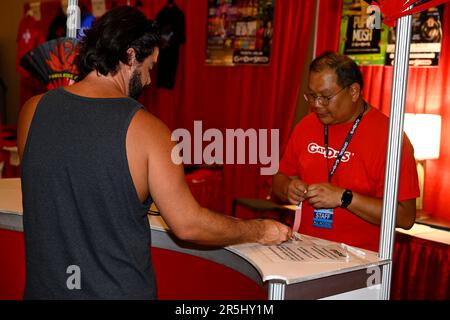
x: 424, y: 131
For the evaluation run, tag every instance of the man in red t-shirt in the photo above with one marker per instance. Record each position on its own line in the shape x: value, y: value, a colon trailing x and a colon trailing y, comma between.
x: 335, y: 160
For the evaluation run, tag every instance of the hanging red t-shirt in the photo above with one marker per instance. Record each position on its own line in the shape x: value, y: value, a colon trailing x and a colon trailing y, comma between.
x: 361, y: 170
x: 29, y: 36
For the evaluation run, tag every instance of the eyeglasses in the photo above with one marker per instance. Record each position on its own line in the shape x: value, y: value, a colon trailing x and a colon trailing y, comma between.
x: 322, y: 100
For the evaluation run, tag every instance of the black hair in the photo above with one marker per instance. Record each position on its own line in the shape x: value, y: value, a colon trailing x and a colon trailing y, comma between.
x: 346, y: 69
x: 107, y: 42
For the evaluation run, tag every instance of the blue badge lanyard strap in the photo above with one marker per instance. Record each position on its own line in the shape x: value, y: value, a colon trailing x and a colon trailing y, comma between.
x: 344, y: 146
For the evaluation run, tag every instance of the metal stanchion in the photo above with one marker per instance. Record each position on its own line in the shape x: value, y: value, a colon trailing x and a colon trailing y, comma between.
x: 399, y: 86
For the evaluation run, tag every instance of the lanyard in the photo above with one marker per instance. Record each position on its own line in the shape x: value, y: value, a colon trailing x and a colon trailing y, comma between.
x: 344, y: 146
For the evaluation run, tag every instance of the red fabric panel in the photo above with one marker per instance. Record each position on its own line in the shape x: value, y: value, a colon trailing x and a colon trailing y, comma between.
x: 178, y: 276
x: 12, y: 265
x: 427, y: 93
x: 421, y: 269
x: 207, y: 188
x: 184, y: 277
x: 328, y: 26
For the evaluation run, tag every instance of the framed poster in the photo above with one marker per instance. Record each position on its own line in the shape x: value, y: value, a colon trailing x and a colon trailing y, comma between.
x: 363, y: 41
x: 426, y: 39
x: 239, y: 32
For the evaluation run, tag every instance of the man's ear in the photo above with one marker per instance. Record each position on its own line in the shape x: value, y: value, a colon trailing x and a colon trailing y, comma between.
x: 131, y: 56
x: 355, y: 91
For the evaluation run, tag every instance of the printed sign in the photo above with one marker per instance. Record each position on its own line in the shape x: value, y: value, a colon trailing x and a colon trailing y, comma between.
x: 363, y: 37
x: 425, y: 41
x: 239, y: 32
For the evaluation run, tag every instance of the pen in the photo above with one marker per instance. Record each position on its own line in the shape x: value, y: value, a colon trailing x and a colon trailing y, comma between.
x: 299, y: 205
x: 298, y: 215
x: 353, y: 250
x: 296, y: 236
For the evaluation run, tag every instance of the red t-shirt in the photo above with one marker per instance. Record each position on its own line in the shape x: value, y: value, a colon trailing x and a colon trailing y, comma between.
x: 361, y: 170
x: 29, y: 37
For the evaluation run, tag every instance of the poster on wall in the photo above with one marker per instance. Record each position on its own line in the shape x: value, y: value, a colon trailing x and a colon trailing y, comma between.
x: 360, y: 37
x: 239, y: 32
x: 426, y: 39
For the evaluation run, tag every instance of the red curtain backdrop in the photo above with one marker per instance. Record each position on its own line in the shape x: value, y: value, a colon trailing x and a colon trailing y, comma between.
x: 421, y: 269
x: 235, y: 97
x: 428, y: 90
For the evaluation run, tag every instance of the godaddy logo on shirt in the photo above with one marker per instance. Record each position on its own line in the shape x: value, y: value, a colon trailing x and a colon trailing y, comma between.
x: 315, y: 148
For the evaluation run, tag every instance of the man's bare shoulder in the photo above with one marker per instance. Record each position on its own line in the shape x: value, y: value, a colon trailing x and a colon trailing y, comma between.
x: 148, y: 129
x: 27, y: 112
x: 30, y: 105
x: 24, y: 122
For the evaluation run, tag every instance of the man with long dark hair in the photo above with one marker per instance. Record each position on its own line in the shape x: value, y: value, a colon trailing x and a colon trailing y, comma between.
x: 93, y: 160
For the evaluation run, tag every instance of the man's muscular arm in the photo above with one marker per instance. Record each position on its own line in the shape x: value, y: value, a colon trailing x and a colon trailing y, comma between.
x: 24, y: 122
x: 186, y: 218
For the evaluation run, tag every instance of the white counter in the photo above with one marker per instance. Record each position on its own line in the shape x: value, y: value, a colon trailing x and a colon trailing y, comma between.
x: 354, y: 278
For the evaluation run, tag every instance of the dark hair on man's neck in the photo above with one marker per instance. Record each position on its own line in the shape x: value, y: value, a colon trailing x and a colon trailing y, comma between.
x: 107, y: 42
x: 346, y: 69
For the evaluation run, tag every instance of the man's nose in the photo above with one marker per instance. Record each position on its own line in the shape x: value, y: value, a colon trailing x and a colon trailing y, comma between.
x: 317, y: 105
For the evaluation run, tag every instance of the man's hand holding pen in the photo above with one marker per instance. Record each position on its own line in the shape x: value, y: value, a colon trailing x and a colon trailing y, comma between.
x: 320, y: 195
x: 324, y: 195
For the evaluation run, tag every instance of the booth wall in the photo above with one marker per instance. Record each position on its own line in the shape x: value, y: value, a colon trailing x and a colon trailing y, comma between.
x: 11, y: 12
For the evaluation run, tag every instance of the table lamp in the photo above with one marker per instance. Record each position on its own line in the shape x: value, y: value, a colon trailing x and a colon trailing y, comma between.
x: 424, y: 132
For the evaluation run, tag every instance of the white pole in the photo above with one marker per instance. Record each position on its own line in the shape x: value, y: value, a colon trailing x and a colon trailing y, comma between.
x: 399, y: 86
x: 73, y: 18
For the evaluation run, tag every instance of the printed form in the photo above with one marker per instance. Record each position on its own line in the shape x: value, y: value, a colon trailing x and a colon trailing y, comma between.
x: 303, y: 251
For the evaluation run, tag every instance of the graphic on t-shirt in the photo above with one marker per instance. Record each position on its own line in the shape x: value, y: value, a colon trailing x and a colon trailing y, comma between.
x: 315, y: 148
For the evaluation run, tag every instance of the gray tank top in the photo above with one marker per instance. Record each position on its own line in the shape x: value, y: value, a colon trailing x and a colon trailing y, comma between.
x: 87, y: 235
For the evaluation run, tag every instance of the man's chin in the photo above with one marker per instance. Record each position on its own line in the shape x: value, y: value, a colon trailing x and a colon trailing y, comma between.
x: 135, y: 86
x: 135, y: 95
x: 324, y: 118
